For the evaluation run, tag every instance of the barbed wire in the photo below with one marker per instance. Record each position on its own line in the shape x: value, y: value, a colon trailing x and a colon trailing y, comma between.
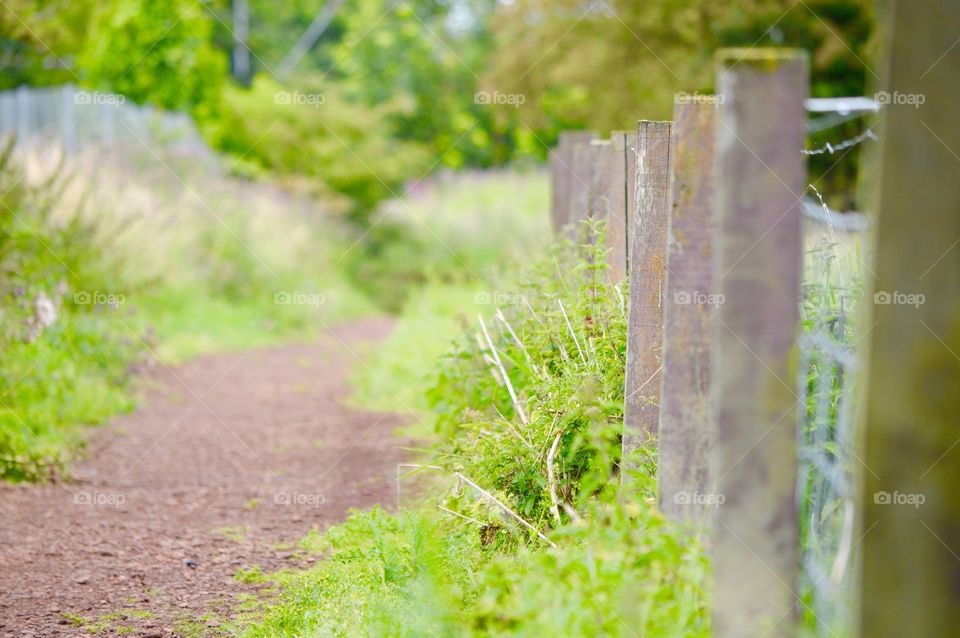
x: 842, y: 146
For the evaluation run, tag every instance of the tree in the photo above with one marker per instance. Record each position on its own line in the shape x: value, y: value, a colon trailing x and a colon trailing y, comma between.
x: 156, y: 51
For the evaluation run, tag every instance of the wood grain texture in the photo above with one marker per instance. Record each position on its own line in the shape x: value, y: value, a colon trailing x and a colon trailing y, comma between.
x: 601, y: 179
x: 571, y: 184
x: 630, y: 145
x: 910, y: 572
x: 761, y: 178
x: 687, y: 426
x: 647, y: 270
x: 617, y: 213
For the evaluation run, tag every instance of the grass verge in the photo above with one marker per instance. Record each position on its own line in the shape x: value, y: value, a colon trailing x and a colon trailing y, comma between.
x: 525, y: 530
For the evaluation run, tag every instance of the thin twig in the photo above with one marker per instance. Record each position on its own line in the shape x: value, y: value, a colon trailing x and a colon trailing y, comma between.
x: 503, y: 373
x: 513, y: 429
x: 550, y: 478
x: 572, y: 334
x: 466, y: 518
x: 505, y: 508
x: 572, y: 513
x: 513, y: 334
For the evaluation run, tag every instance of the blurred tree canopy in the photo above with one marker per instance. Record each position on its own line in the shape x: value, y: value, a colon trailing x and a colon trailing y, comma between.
x: 409, y: 85
x: 604, y: 64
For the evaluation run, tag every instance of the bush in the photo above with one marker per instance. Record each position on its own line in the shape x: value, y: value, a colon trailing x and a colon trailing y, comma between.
x: 107, y: 266
x: 607, y: 566
x: 315, y: 132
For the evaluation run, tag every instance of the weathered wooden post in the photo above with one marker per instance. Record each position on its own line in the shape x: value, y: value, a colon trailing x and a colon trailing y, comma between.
x: 564, y: 182
x: 558, y: 185
x: 599, y: 199
x: 647, y: 269
x: 617, y: 220
x: 578, y: 202
x: 631, y: 144
x: 686, y: 421
x: 760, y: 182
x: 909, y: 505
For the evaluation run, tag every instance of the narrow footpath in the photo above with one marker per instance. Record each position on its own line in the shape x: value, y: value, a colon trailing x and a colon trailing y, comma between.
x: 227, y: 460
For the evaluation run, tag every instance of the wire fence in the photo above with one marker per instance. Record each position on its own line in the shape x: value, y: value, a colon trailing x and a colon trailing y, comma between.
x: 775, y: 493
x: 830, y: 311
x: 76, y: 120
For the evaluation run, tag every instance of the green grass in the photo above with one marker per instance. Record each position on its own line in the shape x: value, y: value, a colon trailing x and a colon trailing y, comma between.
x: 613, y: 565
x: 392, y: 378
x: 172, y: 279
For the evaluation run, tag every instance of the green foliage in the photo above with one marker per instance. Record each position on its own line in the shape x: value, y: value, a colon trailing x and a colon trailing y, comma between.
x: 315, y: 132
x: 613, y: 568
x: 39, y: 39
x: 625, y: 573
x: 562, y: 345
x: 401, y: 80
x: 155, y: 51
x: 95, y: 283
x: 459, y: 229
x: 55, y: 374
x: 667, y: 45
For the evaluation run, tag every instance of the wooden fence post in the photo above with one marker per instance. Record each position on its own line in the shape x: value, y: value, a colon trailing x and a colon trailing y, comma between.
x: 601, y: 180
x: 686, y: 422
x: 617, y: 221
x: 564, y: 181
x: 909, y: 504
x: 761, y: 179
x: 631, y: 144
x: 578, y: 202
x: 647, y: 269
x: 558, y: 186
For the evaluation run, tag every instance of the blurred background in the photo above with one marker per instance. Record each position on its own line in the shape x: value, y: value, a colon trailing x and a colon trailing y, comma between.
x: 185, y: 176
x: 353, y: 99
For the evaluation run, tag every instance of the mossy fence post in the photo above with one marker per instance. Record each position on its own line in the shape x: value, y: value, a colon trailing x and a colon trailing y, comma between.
x: 647, y: 267
x: 909, y: 503
x: 761, y: 179
x: 686, y: 431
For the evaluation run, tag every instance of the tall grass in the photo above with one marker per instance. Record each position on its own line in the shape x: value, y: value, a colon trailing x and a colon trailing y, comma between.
x: 110, y: 265
x: 522, y: 530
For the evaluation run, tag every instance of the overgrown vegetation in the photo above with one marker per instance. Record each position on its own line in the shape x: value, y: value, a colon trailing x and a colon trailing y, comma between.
x: 392, y: 90
x: 111, y: 269
x: 526, y: 411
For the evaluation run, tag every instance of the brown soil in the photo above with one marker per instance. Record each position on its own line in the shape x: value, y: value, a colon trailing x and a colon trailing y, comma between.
x: 227, y: 459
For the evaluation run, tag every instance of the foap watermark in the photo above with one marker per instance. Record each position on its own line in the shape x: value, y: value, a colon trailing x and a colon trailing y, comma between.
x: 316, y: 100
x: 299, y: 499
x: 898, y: 99
x: 298, y: 298
x: 96, y: 97
x: 99, y: 499
x: 496, y: 98
x: 697, y: 298
x: 899, y: 498
x: 707, y: 499
x: 494, y: 298
x: 897, y: 298
x: 682, y: 97
x: 97, y: 298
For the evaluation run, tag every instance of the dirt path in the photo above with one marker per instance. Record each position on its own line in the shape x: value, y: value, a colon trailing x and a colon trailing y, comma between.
x: 226, y: 458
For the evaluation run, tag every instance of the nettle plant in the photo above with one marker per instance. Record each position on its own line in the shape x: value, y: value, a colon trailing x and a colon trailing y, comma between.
x: 529, y: 404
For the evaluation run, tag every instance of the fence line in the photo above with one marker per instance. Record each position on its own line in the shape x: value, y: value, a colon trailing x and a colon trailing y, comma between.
x: 686, y: 421
x: 908, y: 507
x: 641, y: 411
x: 746, y: 391
x: 76, y: 119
